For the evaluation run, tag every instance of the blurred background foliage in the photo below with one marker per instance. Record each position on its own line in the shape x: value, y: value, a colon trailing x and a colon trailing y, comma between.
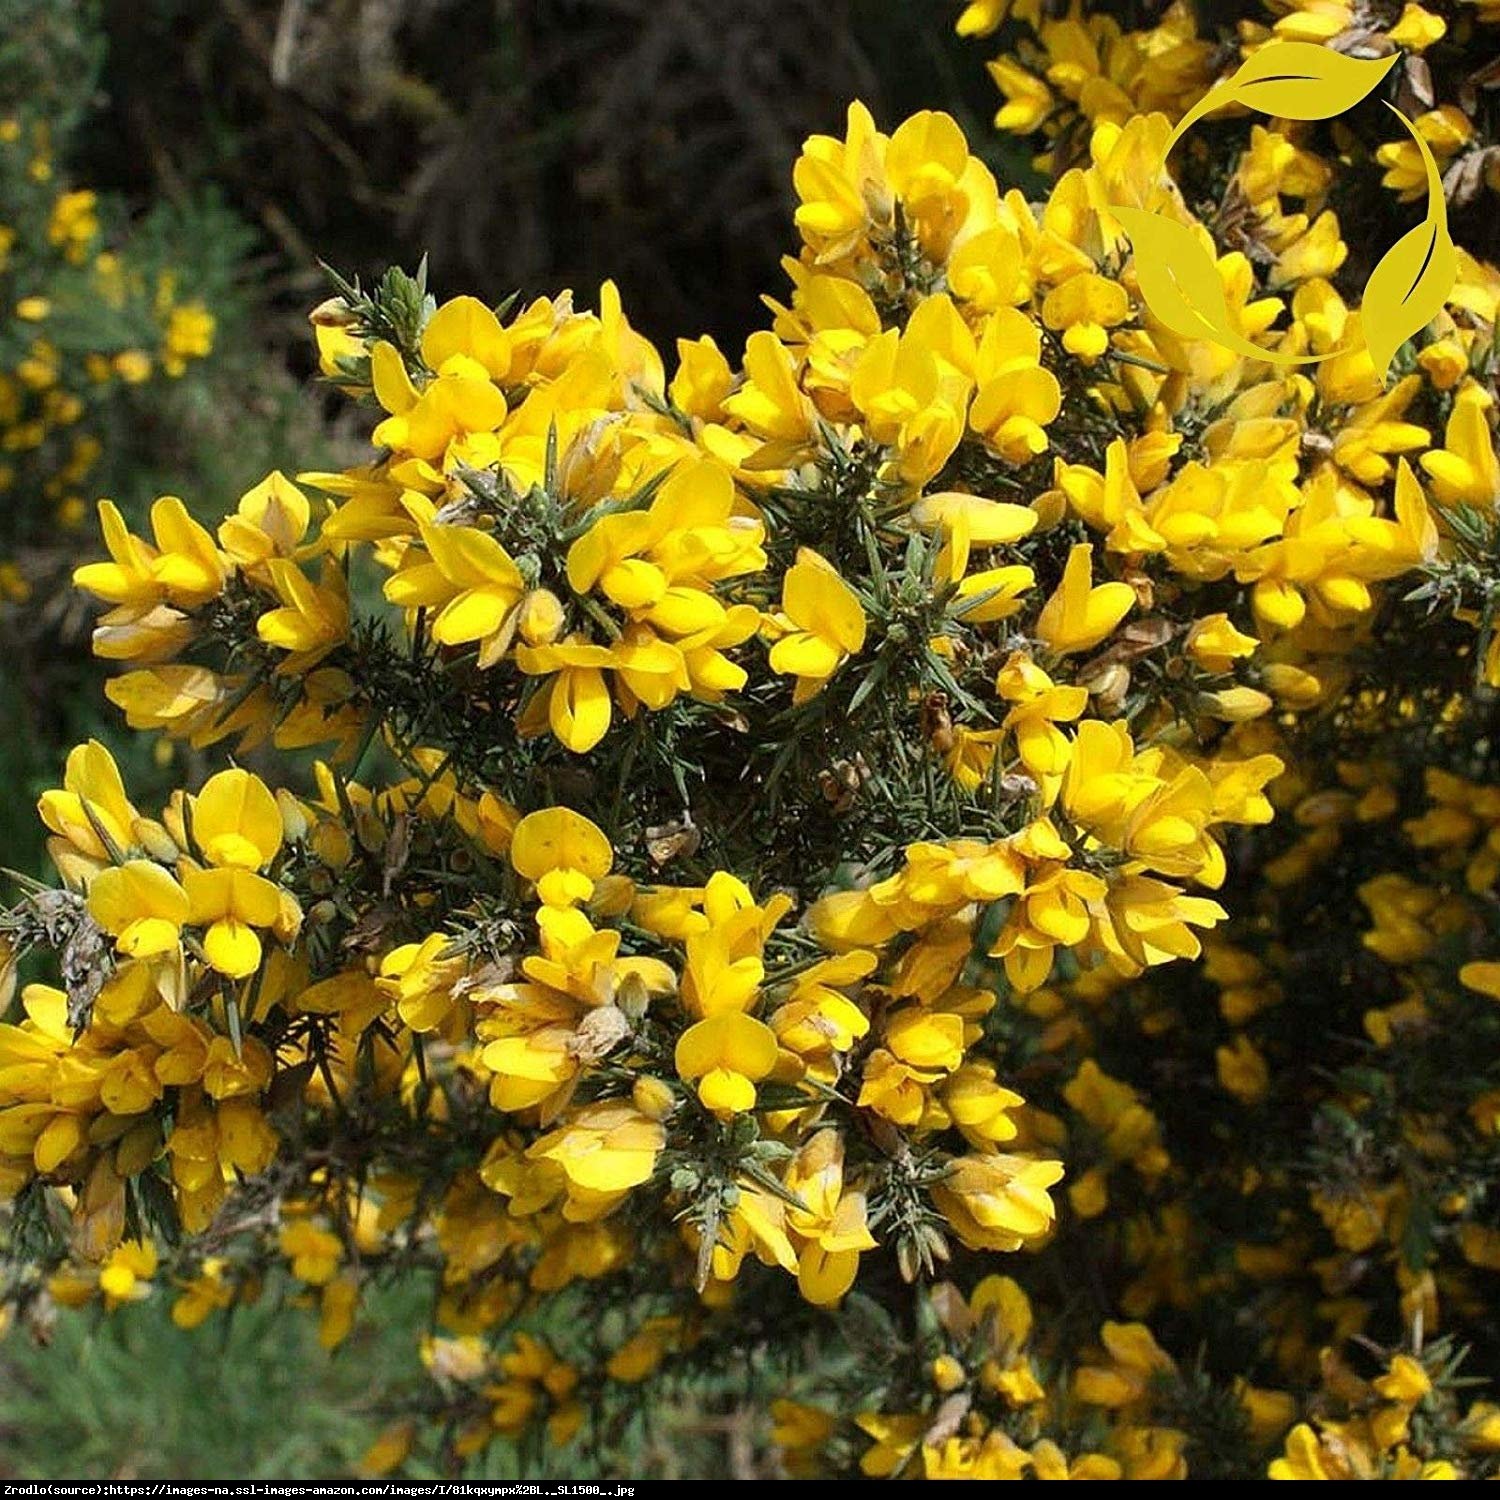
x: 93, y: 399
x: 234, y: 144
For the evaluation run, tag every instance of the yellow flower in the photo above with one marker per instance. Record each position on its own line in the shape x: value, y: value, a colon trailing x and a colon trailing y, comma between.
x: 831, y: 1230
x: 641, y: 1354
x: 1135, y: 1360
x: 74, y: 221
x: 820, y: 625
x: 817, y: 1016
x: 604, y: 1151
x: 998, y: 1202
x: 472, y: 583
x: 133, y: 366
x: 315, y: 1253
x: 1405, y: 1381
x: 125, y: 1276
x: 141, y: 905
x: 1319, y: 252
x: 1446, y: 130
x: 800, y: 1431
x: 1306, y: 1457
x: 457, y: 402
x: 313, y: 619
x: 1417, y: 29
x: 702, y: 381
x: 464, y: 326
x: 1015, y: 400
x: 236, y: 823
x: 979, y: 1106
x: 911, y: 388
x: 1215, y: 644
x: 770, y: 403
x: 421, y: 977
x: 1078, y: 615
x: 1084, y: 308
x: 1028, y: 100
x: 995, y: 1456
x: 576, y: 700
x: 727, y: 1053
x: 1242, y: 1070
x: 1465, y: 469
x: 390, y: 1449
x: 929, y: 1040
x: 90, y: 813
x: 981, y: 17
x: 270, y: 521
x: 835, y: 181
x: 562, y: 853
x: 1235, y: 705
x: 1040, y: 706
x: 978, y: 522
x: 189, y: 335
x: 184, y: 568
x: 1482, y: 976
x: 205, y: 1294
x: 896, y: 1439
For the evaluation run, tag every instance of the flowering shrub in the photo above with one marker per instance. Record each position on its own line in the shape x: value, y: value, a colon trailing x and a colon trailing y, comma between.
x: 90, y: 318
x: 735, y: 944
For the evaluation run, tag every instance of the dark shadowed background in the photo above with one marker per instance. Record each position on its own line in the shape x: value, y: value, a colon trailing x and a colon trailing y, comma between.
x: 520, y: 145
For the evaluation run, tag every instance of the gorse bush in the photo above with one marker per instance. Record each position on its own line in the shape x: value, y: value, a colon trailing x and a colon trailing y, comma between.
x: 737, y: 946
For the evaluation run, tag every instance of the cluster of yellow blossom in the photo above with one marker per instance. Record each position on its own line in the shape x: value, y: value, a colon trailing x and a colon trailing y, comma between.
x: 1065, y: 71
x: 980, y: 1408
x: 1373, y: 1435
x: 786, y: 790
x: 186, y: 905
x: 1002, y: 1422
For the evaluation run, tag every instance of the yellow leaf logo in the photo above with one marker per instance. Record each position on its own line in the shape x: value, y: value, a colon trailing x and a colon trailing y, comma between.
x: 1180, y: 281
x: 1178, y: 277
x: 1294, y: 81
x: 1406, y: 291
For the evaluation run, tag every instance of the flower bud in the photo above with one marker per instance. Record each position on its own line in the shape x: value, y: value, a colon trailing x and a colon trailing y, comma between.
x: 1235, y: 705
x: 294, y: 820
x: 1292, y: 686
x: 332, y: 845
x: 1214, y: 643
x: 156, y: 841
x: 542, y: 618
x: 653, y: 1098
x: 332, y: 313
x: 1109, y: 686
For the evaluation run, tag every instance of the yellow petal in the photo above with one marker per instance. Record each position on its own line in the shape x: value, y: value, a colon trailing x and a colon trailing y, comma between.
x: 579, y: 708
x: 232, y: 948
x: 236, y: 820
x: 557, y: 838
x: 393, y: 387
x: 466, y: 326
